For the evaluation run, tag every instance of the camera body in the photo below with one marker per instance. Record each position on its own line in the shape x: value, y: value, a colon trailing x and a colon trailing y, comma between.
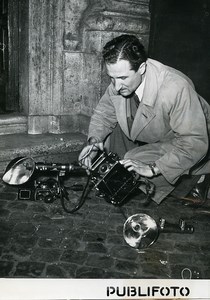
x: 40, y: 187
x: 112, y: 179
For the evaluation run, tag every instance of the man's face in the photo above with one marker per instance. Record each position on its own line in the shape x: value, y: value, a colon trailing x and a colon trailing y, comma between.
x: 125, y: 80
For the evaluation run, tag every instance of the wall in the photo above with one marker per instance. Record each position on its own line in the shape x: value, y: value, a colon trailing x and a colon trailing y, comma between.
x: 66, y: 76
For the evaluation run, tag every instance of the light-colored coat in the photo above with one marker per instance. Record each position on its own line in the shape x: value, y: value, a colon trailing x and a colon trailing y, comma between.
x: 172, y: 118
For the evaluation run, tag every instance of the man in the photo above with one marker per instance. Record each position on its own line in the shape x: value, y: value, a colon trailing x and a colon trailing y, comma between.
x: 152, y: 117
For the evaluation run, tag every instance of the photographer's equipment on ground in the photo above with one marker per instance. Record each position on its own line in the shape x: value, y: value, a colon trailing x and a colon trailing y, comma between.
x: 141, y: 231
x: 21, y: 169
x: 45, y: 181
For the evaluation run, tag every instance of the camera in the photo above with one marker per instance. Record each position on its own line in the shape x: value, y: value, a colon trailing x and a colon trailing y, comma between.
x: 112, y: 179
x: 45, y: 181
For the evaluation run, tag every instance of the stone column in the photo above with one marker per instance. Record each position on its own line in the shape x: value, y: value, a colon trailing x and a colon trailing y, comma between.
x: 46, y: 28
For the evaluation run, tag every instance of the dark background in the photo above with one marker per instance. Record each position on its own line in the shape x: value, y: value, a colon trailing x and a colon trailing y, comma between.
x: 180, y: 37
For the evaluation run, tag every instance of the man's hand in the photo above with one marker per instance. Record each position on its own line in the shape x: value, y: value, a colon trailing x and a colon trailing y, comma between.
x: 138, y: 167
x: 89, y: 153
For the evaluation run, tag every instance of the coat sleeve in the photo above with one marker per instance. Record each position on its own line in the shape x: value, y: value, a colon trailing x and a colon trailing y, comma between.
x: 104, y: 118
x: 191, y: 141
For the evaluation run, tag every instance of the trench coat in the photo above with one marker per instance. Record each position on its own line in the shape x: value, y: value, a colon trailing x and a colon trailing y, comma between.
x: 172, y: 119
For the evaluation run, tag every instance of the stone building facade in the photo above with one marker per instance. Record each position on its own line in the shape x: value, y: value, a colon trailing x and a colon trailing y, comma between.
x: 61, y: 75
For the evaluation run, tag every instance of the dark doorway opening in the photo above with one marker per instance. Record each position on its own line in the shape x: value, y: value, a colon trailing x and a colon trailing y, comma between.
x: 10, y: 31
x: 3, y: 54
x: 180, y: 38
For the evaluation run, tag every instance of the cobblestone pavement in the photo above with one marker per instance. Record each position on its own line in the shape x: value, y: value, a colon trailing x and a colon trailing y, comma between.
x: 41, y: 240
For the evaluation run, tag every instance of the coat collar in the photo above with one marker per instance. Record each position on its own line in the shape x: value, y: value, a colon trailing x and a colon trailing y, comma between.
x: 151, y: 84
x: 122, y: 109
x: 142, y: 118
x: 145, y: 112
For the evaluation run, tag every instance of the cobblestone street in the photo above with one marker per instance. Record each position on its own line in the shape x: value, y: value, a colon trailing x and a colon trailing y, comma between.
x: 41, y: 240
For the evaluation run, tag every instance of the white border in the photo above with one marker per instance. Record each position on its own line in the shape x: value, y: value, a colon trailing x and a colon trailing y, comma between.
x: 42, y: 289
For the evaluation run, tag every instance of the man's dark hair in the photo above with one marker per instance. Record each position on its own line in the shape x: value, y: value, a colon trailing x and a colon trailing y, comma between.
x: 127, y: 47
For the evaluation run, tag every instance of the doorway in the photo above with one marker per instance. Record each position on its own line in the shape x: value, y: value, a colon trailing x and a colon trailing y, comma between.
x: 9, y: 56
x: 180, y: 38
x: 3, y: 54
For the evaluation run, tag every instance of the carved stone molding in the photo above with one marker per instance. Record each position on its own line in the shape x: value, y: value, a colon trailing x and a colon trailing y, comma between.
x: 103, y: 15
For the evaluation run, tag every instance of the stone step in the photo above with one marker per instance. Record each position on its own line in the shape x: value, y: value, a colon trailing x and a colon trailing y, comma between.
x: 43, y: 147
x: 13, y: 124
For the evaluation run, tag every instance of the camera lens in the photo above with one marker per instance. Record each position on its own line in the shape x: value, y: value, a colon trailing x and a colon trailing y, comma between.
x: 103, y: 168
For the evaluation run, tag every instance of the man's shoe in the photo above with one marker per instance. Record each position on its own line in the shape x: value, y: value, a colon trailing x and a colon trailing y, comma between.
x: 198, y: 195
